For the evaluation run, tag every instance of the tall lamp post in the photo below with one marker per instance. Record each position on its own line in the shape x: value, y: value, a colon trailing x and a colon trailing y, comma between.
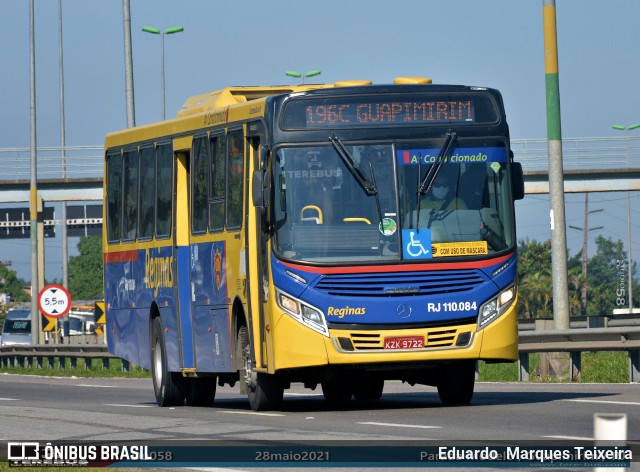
x: 152, y: 30
x: 629, y: 260
x: 311, y: 73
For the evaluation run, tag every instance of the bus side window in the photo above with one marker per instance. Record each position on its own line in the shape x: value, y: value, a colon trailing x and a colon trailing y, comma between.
x: 218, y: 188
x: 147, y: 192
x: 130, y: 195
x: 114, y: 200
x: 235, y: 153
x: 164, y: 194
x: 200, y: 185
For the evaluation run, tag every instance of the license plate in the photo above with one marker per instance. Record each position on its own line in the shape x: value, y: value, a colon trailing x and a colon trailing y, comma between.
x: 404, y: 342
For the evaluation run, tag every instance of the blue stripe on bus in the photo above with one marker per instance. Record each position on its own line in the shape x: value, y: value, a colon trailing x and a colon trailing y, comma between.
x: 184, y: 298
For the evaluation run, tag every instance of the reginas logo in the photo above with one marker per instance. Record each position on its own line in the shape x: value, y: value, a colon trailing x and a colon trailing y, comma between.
x: 346, y: 311
x: 158, y: 272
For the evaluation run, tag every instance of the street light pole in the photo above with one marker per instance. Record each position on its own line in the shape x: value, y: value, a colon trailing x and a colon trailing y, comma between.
x: 629, y: 259
x: 33, y: 187
x: 556, y: 176
x: 311, y: 73
x: 152, y: 30
x: 128, y: 64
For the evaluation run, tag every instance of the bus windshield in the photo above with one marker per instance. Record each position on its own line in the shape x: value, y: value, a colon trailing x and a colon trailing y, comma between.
x: 351, y: 203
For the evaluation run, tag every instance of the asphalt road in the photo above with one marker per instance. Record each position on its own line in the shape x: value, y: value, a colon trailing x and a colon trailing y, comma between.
x: 99, y: 410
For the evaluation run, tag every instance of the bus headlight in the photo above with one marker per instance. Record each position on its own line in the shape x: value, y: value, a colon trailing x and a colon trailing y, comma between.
x: 306, y: 314
x: 496, y: 306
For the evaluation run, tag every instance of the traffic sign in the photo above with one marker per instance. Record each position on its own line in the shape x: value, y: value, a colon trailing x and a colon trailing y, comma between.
x: 54, y: 301
x: 48, y: 324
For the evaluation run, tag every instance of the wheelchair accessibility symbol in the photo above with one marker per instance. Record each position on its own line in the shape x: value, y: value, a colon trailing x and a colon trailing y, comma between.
x: 416, y: 244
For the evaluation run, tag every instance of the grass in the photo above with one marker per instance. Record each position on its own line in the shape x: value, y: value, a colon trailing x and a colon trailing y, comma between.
x: 597, y: 367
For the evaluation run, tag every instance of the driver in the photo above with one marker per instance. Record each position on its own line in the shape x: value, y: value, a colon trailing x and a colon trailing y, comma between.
x: 442, y: 195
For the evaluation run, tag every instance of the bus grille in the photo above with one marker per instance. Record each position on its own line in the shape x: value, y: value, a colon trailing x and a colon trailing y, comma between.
x: 437, y: 338
x: 400, y: 284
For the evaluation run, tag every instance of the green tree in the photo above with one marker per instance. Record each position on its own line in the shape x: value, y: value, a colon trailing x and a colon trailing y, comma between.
x: 534, y: 278
x: 85, y: 270
x: 12, y: 285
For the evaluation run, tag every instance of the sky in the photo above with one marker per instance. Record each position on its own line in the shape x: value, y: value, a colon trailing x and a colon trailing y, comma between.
x: 494, y: 43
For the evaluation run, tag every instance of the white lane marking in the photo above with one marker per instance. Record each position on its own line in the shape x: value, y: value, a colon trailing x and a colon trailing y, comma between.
x: 97, y: 386
x: 400, y: 425
x: 293, y: 394
x: 128, y: 406
x: 249, y: 413
x: 571, y: 438
x: 8, y: 399
x: 610, y: 402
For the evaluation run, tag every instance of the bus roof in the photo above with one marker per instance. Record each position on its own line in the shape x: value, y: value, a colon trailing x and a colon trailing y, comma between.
x: 227, y: 105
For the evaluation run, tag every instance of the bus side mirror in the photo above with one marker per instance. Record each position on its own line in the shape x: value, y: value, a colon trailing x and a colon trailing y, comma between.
x: 517, y: 181
x: 261, y: 187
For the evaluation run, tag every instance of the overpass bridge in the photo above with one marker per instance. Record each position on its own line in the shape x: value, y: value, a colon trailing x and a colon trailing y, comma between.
x: 590, y: 165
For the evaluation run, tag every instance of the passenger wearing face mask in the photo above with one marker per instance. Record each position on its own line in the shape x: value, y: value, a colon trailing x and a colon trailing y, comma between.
x: 442, y: 196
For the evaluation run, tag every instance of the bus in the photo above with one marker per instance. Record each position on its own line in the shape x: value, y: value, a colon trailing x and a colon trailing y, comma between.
x: 275, y: 235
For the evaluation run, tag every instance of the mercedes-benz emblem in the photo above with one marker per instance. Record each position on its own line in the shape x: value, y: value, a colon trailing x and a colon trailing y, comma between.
x: 403, y: 310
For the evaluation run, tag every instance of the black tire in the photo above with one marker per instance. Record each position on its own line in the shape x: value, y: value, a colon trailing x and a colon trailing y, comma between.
x: 456, y: 383
x: 169, y: 387
x: 201, y: 391
x: 265, y: 391
x: 337, y: 393
x: 368, y: 390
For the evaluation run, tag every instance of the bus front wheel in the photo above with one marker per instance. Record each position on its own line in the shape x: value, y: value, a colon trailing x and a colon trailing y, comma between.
x: 169, y: 387
x: 265, y: 391
x: 337, y: 393
x: 456, y: 383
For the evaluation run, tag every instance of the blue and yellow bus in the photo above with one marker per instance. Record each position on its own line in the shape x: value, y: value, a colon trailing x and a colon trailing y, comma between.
x: 338, y: 235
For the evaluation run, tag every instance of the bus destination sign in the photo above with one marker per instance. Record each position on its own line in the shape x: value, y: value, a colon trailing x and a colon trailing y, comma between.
x: 368, y: 111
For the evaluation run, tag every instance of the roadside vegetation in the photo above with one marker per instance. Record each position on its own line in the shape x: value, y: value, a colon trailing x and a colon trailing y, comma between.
x: 597, y: 367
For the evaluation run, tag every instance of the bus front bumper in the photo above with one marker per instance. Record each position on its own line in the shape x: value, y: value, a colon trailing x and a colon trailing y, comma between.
x: 298, y: 346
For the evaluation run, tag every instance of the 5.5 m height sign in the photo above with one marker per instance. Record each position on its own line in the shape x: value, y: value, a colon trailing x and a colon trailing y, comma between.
x: 54, y: 301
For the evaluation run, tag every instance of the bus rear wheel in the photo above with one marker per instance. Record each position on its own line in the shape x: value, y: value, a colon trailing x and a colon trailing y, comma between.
x: 265, y: 391
x: 169, y: 387
x: 456, y: 383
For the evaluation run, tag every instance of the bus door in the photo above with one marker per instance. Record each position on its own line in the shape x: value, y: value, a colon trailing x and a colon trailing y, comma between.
x: 184, y: 325
x: 258, y: 260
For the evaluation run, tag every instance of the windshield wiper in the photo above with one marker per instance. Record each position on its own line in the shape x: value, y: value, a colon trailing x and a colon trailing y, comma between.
x: 368, y: 186
x: 443, y: 154
x: 426, y: 183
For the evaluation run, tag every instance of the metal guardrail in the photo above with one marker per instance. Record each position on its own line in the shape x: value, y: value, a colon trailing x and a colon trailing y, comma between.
x: 577, y: 341
x: 54, y: 356
x: 574, y: 341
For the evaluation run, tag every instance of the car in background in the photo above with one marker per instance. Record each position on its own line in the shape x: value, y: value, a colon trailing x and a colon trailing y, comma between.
x: 16, y: 328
